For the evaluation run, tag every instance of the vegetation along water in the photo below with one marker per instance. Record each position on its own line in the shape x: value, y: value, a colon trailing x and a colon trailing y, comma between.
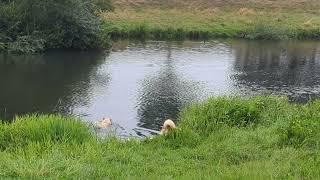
x: 255, y: 138
x: 30, y: 26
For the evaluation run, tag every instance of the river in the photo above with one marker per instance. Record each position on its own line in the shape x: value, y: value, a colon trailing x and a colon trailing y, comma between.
x: 140, y: 84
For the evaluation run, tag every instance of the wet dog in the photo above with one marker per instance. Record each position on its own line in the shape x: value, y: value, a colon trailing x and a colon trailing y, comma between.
x: 168, y: 126
x: 104, y: 123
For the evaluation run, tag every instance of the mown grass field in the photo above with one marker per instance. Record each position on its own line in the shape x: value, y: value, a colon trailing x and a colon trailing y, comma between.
x: 203, y: 19
x: 223, y: 138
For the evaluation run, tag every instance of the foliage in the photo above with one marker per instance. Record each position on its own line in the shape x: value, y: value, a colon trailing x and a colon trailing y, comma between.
x: 27, y: 44
x: 35, y: 25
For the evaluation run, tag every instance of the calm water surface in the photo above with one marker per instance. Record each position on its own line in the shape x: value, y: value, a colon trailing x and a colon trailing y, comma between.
x: 141, y: 84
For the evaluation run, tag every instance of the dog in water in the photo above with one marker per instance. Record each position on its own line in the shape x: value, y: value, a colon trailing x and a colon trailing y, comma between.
x: 104, y: 123
x: 168, y: 126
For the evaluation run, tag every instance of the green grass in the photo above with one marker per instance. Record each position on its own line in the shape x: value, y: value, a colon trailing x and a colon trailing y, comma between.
x: 152, y: 22
x: 222, y: 138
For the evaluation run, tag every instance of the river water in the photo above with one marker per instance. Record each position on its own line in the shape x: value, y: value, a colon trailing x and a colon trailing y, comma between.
x: 140, y: 84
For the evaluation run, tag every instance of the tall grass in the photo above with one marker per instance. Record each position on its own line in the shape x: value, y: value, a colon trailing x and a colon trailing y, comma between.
x: 43, y: 129
x: 222, y: 138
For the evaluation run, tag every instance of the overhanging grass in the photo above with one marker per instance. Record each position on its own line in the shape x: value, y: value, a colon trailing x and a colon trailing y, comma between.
x: 229, y: 138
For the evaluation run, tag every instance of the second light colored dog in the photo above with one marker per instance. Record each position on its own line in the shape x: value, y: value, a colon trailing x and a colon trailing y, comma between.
x: 104, y: 123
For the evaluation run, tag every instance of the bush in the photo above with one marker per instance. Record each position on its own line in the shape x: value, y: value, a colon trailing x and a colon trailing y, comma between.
x: 26, y: 44
x: 57, y: 23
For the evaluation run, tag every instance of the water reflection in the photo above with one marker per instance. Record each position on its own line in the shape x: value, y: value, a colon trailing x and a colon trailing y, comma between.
x: 54, y: 82
x: 163, y: 94
x: 282, y: 68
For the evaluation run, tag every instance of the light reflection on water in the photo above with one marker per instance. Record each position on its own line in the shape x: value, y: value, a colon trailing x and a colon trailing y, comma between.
x: 141, y: 84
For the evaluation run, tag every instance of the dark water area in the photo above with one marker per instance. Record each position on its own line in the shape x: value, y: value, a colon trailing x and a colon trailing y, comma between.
x: 139, y: 85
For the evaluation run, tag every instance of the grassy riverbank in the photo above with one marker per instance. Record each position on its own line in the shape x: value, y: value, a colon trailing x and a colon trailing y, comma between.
x: 202, y: 19
x: 221, y: 138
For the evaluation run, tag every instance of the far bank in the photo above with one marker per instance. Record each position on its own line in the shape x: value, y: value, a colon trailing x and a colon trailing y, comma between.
x: 191, y: 20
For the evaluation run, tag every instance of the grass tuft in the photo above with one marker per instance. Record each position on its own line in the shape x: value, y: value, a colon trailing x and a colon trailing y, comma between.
x: 43, y: 129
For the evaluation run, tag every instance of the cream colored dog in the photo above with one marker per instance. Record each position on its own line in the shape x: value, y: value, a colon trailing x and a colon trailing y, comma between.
x: 168, y: 125
x: 104, y: 123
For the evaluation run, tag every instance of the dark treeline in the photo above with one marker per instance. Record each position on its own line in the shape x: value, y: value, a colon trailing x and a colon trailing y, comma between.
x: 28, y: 26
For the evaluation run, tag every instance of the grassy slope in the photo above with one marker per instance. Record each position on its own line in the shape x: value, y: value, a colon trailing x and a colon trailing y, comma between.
x: 226, y: 138
x: 253, y: 19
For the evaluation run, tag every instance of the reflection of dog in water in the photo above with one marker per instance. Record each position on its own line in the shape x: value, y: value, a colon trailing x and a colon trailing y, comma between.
x: 104, y: 123
x: 168, y: 126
